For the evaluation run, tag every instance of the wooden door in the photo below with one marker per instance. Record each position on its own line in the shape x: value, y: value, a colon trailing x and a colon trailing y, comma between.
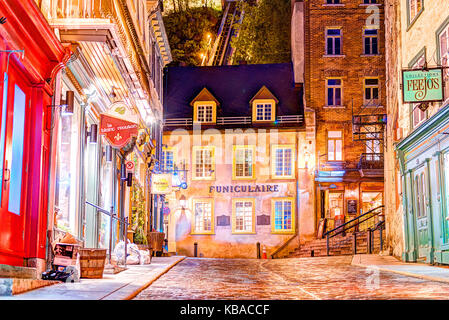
x: 13, y: 167
x: 421, y: 212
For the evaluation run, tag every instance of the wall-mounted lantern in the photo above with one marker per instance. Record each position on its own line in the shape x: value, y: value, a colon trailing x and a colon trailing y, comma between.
x: 92, y: 133
x: 68, y: 103
x: 124, y: 175
x: 108, y: 153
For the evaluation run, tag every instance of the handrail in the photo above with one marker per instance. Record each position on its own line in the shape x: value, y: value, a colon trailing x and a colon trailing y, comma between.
x: 123, y: 221
x: 327, y: 234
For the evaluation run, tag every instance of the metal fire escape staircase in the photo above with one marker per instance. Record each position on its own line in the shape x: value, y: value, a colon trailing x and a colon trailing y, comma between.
x: 222, y: 50
x: 368, y: 126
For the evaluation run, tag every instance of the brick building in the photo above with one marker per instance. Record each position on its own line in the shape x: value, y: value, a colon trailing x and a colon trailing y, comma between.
x: 341, y: 64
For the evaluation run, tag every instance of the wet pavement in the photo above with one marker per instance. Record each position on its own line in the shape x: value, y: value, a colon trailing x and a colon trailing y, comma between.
x: 282, y: 279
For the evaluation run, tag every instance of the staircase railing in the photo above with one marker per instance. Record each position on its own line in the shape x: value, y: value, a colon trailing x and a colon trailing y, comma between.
x: 371, y: 214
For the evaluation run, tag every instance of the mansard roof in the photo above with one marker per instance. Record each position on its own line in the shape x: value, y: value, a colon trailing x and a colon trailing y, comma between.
x: 234, y: 86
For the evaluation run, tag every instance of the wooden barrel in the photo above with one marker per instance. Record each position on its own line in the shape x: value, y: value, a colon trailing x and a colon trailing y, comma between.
x: 92, y: 263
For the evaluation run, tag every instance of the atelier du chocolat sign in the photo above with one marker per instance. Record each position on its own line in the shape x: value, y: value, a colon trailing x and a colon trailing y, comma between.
x: 246, y: 188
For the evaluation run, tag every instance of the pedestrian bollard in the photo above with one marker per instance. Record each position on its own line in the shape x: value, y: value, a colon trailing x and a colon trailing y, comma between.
x: 258, y: 250
x: 264, y: 252
x: 195, y: 249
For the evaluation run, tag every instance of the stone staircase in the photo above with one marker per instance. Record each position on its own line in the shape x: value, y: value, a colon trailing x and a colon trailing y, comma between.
x: 339, y: 245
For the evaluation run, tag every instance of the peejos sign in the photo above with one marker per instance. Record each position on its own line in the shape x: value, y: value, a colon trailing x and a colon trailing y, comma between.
x: 422, y: 85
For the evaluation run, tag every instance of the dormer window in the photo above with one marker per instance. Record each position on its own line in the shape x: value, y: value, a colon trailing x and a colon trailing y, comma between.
x: 205, y: 108
x: 264, y: 106
x: 264, y: 112
x: 205, y: 113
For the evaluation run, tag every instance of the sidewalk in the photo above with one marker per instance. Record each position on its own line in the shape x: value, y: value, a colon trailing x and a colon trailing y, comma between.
x: 392, y: 264
x: 121, y: 286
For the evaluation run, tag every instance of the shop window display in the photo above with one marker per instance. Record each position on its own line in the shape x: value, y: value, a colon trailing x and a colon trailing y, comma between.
x: 67, y: 167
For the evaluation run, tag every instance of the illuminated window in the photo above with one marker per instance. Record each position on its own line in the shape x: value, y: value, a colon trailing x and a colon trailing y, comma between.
x: 373, y: 145
x: 282, y: 161
x: 282, y: 215
x: 334, y: 146
x: 67, y: 165
x: 414, y: 9
x: 168, y: 160
x: 205, y: 113
x: 203, y: 163
x: 264, y: 112
x: 243, y: 162
x: 203, y: 210
x: 243, y: 219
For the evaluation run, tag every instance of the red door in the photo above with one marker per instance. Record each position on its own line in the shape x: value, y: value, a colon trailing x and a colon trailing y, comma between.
x: 14, y: 142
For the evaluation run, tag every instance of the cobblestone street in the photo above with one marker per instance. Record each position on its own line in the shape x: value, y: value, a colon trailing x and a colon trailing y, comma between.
x: 301, y: 278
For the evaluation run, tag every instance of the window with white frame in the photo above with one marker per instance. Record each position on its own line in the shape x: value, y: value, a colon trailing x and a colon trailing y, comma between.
x: 282, y: 215
x: 168, y: 160
x: 371, y: 94
x: 203, y: 216
x: 414, y: 9
x: 418, y: 115
x: 370, y: 41
x: 203, y: 161
x: 334, y: 90
x: 283, y: 161
x: 334, y: 145
x: 243, y: 220
x: 333, y: 41
x: 264, y: 112
x: 205, y: 113
x: 373, y: 146
x: 444, y: 54
x: 244, y: 162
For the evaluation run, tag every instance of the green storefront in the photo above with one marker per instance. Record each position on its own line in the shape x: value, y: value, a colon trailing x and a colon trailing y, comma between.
x: 424, y: 165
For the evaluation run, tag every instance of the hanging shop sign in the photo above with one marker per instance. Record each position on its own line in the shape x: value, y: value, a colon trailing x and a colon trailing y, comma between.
x: 161, y: 183
x: 118, y: 131
x: 420, y: 86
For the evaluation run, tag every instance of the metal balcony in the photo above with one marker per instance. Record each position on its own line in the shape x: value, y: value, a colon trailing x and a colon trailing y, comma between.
x: 371, y: 164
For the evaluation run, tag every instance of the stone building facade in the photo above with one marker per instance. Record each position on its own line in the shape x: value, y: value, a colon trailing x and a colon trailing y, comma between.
x: 247, y: 172
x: 416, y: 161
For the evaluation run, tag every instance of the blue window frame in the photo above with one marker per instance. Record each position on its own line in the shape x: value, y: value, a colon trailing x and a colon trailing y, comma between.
x: 18, y: 133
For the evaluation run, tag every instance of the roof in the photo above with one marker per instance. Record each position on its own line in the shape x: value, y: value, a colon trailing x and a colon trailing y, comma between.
x: 232, y: 86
